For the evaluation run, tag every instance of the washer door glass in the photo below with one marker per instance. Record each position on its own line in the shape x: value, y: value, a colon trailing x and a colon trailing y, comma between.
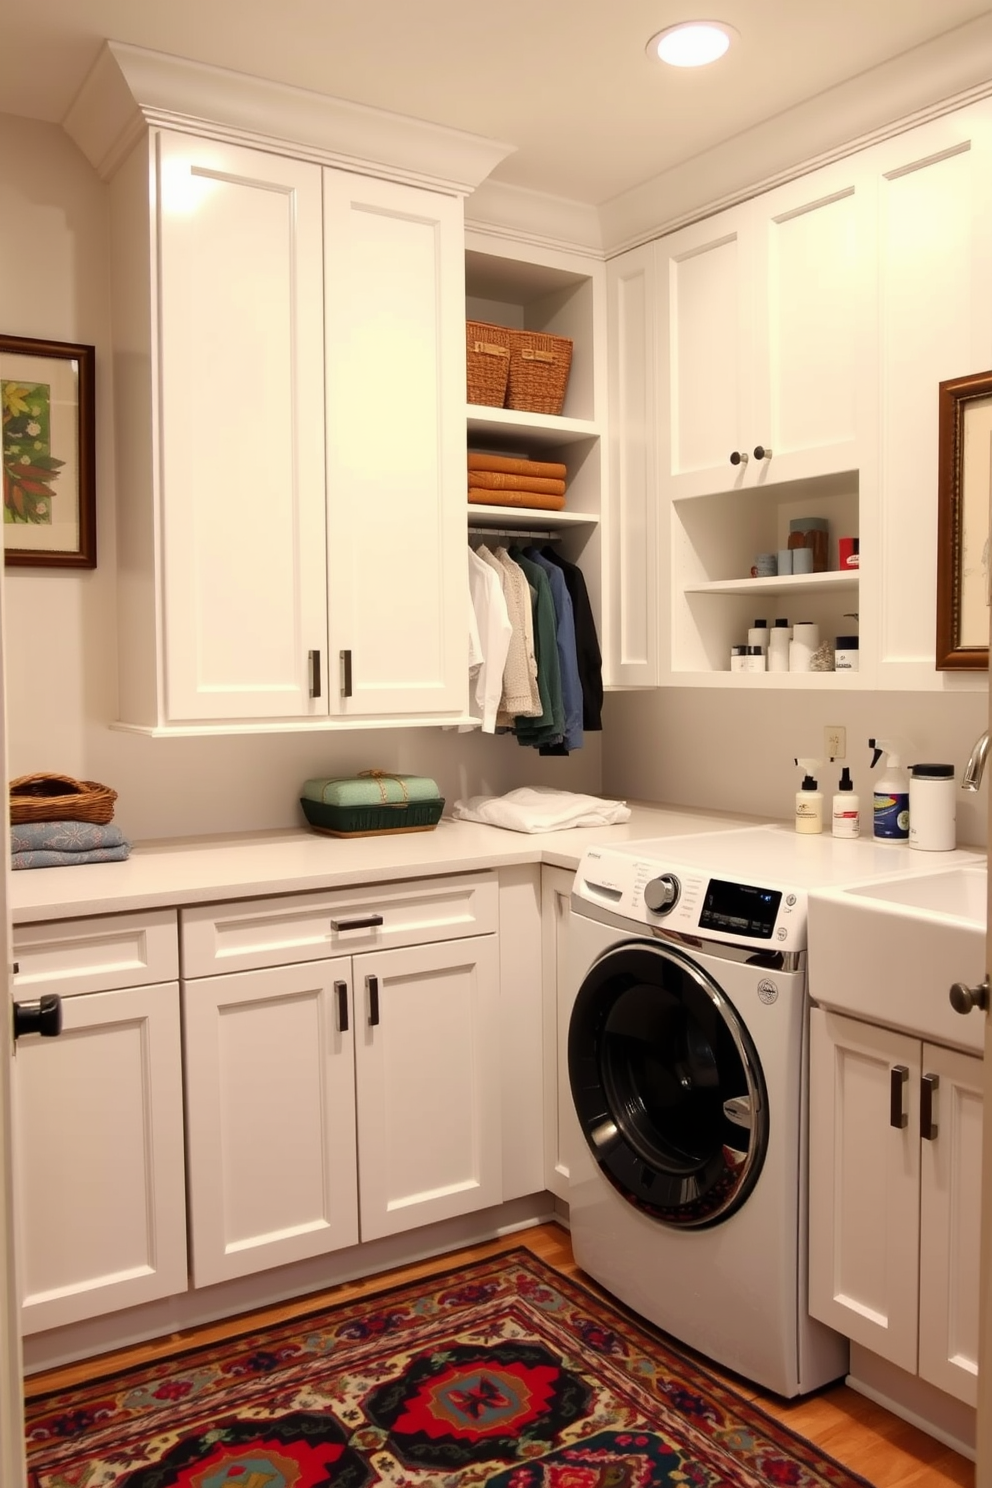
x: 667, y: 1085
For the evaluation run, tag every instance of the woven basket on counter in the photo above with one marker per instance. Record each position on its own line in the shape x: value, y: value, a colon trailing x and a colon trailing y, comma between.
x: 38, y: 798
x: 539, y: 367
x: 487, y: 355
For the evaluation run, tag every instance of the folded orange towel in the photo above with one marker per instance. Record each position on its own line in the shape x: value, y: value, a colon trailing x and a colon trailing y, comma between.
x: 540, y: 500
x: 512, y: 465
x: 495, y: 480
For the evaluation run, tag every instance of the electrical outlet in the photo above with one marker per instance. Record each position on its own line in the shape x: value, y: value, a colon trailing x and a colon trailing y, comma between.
x: 835, y: 742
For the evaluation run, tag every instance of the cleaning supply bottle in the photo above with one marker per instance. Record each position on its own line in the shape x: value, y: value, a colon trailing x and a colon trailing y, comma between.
x: 845, y: 816
x: 809, y: 799
x: 890, y: 814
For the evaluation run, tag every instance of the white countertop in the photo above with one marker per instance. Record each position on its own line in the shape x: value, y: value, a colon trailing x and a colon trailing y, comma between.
x: 200, y: 870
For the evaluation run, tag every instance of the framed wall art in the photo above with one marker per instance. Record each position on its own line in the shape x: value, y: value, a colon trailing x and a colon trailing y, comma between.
x: 49, y: 466
x: 964, y: 496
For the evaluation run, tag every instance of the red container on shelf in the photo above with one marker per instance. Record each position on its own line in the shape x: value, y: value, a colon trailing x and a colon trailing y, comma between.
x: 847, y: 552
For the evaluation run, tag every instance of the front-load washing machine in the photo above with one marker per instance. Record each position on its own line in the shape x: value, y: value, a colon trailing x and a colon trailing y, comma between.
x: 687, y: 1058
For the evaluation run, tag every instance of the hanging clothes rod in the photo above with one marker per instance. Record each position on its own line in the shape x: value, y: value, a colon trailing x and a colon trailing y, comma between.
x: 516, y: 533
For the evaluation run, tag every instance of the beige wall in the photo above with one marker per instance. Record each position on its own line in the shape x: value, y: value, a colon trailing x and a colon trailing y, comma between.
x: 59, y: 628
x: 690, y: 745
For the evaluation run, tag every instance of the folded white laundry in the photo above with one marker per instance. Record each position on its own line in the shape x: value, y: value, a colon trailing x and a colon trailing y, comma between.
x: 541, y: 809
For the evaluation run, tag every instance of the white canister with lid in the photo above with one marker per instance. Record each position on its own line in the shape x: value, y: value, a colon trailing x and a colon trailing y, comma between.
x: 846, y: 654
x: 778, y: 646
x: 932, y: 808
x: 805, y: 639
x: 758, y: 636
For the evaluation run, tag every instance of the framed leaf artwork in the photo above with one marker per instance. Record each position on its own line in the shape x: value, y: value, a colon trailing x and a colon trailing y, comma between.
x: 49, y: 468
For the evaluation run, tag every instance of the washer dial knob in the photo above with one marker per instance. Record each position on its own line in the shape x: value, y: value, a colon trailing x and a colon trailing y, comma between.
x: 661, y: 894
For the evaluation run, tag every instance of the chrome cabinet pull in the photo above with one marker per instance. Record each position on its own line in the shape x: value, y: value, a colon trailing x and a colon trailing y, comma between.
x: 898, y: 1080
x: 928, y: 1088
x: 367, y: 922
x: 341, y: 988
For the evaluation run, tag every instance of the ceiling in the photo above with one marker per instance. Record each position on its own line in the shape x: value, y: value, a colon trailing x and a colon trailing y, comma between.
x: 567, y: 82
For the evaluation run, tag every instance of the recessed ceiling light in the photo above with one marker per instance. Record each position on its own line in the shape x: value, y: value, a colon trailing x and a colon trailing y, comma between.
x: 691, y: 43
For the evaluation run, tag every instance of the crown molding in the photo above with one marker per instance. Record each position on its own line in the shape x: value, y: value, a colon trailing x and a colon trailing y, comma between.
x: 130, y: 89
x: 525, y: 216
x: 931, y: 80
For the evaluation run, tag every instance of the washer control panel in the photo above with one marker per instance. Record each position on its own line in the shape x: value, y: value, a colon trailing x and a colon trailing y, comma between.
x: 769, y: 916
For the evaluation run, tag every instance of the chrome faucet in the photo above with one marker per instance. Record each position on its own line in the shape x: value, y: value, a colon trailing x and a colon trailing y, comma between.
x: 975, y: 768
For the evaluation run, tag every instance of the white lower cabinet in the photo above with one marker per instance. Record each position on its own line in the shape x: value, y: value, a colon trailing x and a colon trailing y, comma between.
x: 559, y: 1112
x: 270, y: 1097
x: 336, y: 1099
x: 427, y: 1069
x: 895, y: 1192
x: 98, y: 1121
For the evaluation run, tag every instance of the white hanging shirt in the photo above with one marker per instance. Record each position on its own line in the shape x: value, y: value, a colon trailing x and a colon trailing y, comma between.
x: 494, y: 631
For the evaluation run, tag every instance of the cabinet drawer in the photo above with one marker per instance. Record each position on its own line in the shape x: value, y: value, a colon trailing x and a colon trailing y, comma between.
x: 100, y: 954
x: 253, y: 933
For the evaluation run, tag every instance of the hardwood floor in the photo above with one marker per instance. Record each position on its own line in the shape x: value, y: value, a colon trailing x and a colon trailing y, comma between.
x: 857, y: 1432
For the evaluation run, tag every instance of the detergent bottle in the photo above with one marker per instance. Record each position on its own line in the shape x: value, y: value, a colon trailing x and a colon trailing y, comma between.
x: 890, y: 817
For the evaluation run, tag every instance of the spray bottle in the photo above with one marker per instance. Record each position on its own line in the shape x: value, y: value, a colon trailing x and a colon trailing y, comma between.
x: 891, y: 791
x: 809, y: 799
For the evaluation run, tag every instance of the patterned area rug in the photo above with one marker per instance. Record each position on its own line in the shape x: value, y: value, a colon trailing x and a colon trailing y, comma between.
x: 501, y: 1373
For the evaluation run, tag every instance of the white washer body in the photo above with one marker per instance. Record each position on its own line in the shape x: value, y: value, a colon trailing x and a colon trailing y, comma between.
x: 735, y: 1289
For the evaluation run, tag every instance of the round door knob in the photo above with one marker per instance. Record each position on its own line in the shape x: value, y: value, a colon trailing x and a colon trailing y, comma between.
x: 661, y: 894
x: 738, y: 457
x: 760, y: 453
x: 964, y: 998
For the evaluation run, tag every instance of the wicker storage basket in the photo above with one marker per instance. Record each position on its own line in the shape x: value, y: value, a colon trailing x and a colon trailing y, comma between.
x: 37, y: 798
x: 539, y: 367
x: 487, y: 355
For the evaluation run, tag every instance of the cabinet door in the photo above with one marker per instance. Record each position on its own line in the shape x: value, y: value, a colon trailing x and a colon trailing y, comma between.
x: 935, y: 323
x: 98, y: 1154
x: 705, y: 367
x: 396, y: 475
x: 559, y: 1112
x: 864, y: 1184
x: 950, y: 1223
x: 427, y: 1059
x: 270, y: 1097
x: 813, y: 351
x: 636, y: 545
x: 240, y: 398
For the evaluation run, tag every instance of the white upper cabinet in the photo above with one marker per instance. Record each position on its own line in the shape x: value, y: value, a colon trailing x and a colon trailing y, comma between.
x: 705, y: 329
x: 395, y: 416
x: 763, y: 323
x: 802, y: 338
x: 289, y: 379
x: 813, y: 349
x: 239, y: 381
x: 934, y: 188
x: 290, y: 440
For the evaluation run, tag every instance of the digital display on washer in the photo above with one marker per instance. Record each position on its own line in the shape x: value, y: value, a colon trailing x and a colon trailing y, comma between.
x: 740, y: 909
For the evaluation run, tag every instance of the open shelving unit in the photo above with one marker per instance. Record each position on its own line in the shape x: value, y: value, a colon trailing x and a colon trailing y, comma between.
x: 525, y: 287
x: 714, y: 541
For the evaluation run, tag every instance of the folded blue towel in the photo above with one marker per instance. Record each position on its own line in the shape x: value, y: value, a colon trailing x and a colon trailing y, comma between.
x: 64, y: 836
x: 45, y: 858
